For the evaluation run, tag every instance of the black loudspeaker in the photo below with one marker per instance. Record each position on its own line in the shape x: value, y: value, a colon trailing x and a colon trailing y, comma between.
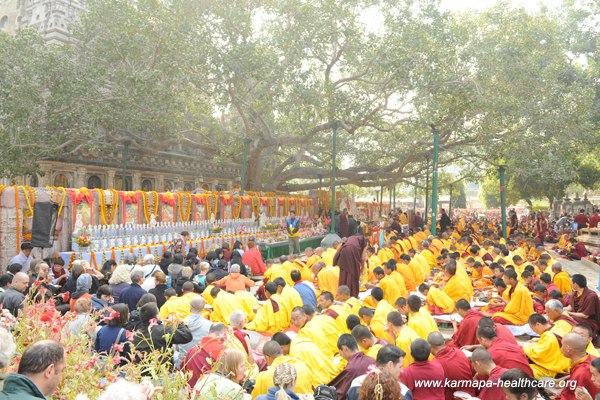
x: 43, y: 224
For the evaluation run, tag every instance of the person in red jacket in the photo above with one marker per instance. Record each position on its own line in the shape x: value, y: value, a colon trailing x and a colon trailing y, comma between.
x: 253, y: 258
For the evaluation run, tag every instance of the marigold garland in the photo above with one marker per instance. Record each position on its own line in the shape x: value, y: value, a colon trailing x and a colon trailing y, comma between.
x: 29, y: 212
x: 239, y: 209
x: 272, y: 207
x: 17, y: 212
x: 180, y: 207
x: 114, y: 209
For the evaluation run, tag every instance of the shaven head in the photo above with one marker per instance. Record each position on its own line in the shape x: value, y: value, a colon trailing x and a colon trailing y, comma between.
x: 420, y: 350
x: 377, y: 293
x: 483, y: 356
x: 197, y: 304
x: 361, y: 332
x: 272, y: 349
x: 216, y: 330
x: 436, y: 341
x: 554, y: 309
x: 351, y: 321
x: 414, y: 303
x: 343, y: 293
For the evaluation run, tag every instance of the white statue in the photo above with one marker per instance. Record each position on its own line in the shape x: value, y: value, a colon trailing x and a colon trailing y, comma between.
x: 78, y: 223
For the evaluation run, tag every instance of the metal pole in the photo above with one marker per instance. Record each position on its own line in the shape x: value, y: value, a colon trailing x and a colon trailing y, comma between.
x: 450, y: 202
x: 394, y: 197
x: 426, y: 212
x: 390, y: 206
x: 320, y: 182
x: 502, y: 170
x: 333, y: 166
x: 244, y: 167
x: 415, y: 200
x: 381, y: 201
x: 125, y: 155
x: 434, y: 183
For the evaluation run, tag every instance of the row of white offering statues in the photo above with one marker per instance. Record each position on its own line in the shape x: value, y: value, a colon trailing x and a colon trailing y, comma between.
x: 106, y: 237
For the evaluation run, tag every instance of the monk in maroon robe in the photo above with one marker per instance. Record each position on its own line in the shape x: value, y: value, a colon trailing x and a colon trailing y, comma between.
x: 358, y: 364
x: 585, y: 305
x: 466, y: 333
x: 505, y: 354
x: 349, y: 258
x: 202, y: 357
x: 457, y: 366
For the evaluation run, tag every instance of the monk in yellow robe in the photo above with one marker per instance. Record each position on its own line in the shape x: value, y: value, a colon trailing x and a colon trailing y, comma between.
x: 419, y: 318
x: 429, y: 256
x: 338, y: 312
x: 321, y: 329
x: 377, y: 321
x: 312, y: 256
x: 561, y: 279
x: 402, y: 334
x: 327, y: 256
x: 274, y: 356
x: 414, y: 243
x: 482, y: 275
x: 367, y: 343
x: 415, y: 269
x: 545, y: 354
x: 249, y: 302
x: 272, y: 316
x: 520, y: 305
x: 421, y: 262
x: 305, y: 272
x: 456, y: 287
x: 393, y: 283
x: 342, y: 296
x: 385, y: 253
x: 407, y: 275
x: 328, y: 277
x: 278, y: 271
x: 438, y: 301
x: 223, y: 305
x: 406, y: 244
x: 290, y: 296
x: 315, y: 359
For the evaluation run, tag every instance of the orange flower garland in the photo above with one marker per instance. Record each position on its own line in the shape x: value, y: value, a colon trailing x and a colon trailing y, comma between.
x: 114, y: 209
x: 180, y: 207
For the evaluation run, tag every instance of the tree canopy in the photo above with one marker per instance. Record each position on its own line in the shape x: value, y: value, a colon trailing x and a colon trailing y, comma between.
x: 504, y: 86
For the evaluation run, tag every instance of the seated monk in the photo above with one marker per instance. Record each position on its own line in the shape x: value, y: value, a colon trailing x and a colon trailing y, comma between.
x: 438, y: 301
x: 337, y: 312
x: 585, y: 305
x: 419, y: 318
x: 357, y: 364
x: 505, y: 354
x: 352, y: 304
x: 585, y: 332
x: 393, y: 284
x: 200, y: 359
x: 414, y: 267
x: 497, y: 304
x: 379, y: 320
x: 457, y: 367
x: 487, y: 370
x: 223, y: 305
x: 546, y: 358
x: 321, y: 329
x: 561, y: 279
x: 482, y: 275
x: 574, y: 348
x: 519, y: 307
x: 272, y: 316
x: 456, y: 287
x: 367, y: 342
x: 403, y: 334
x: 378, y: 275
x: 328, y: 277
x: 562, y: 322
x: 539, y: 299
x: 529, y: 280
x: 465, y: 333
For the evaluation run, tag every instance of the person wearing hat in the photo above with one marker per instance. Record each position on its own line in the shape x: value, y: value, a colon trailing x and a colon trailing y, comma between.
x: 24, y: 257
x: 84, y: 284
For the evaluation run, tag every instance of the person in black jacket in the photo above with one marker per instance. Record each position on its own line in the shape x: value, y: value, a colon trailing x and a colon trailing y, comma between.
x: 444, y: 221
x: 154, y: 335
x: 165, y: 261
x: 159, y: 290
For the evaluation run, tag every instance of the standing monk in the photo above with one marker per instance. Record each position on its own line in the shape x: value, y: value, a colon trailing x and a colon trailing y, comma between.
x: 349, y: 258
x: 344, y: 227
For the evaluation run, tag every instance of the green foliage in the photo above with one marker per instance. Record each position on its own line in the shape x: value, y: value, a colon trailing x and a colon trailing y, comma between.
x: 501, y: 86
